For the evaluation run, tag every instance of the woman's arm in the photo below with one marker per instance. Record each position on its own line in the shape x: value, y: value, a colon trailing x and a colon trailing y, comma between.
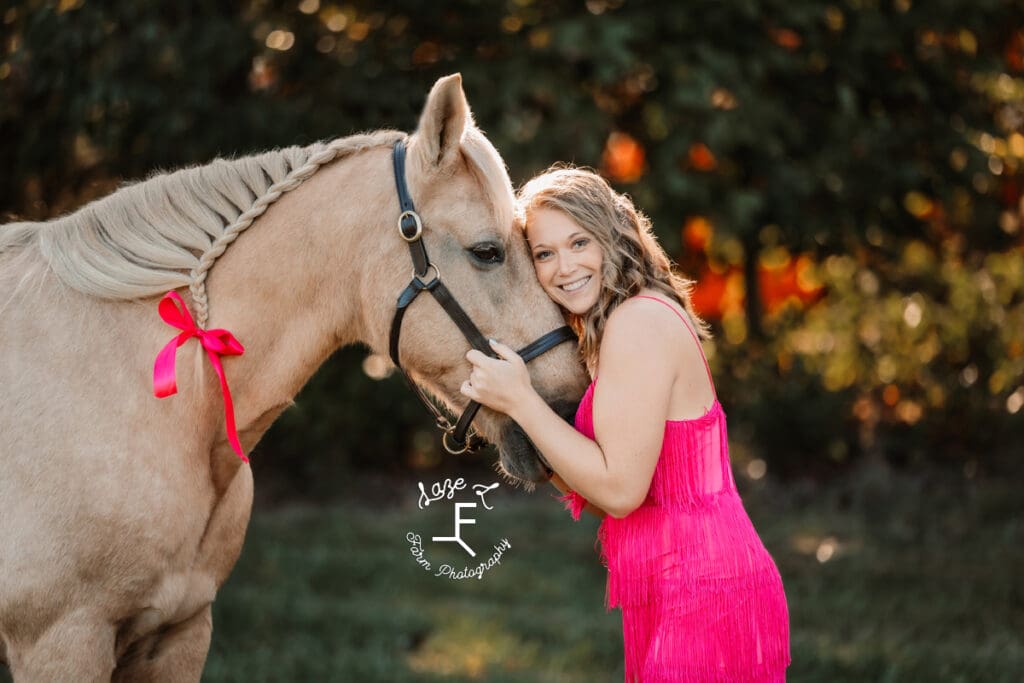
x: 630, y: 408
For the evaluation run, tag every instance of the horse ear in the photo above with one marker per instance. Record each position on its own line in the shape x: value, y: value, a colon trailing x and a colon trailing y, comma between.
x: 443, y: 121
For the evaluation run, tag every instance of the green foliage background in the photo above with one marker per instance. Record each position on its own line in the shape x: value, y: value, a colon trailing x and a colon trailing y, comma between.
x: 882, y: 138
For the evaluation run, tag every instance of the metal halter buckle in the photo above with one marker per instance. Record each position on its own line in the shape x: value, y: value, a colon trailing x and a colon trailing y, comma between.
x: 419, y: 226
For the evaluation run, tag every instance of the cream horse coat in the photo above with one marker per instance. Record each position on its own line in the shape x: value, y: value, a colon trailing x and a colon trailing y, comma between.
x: 120, y: 514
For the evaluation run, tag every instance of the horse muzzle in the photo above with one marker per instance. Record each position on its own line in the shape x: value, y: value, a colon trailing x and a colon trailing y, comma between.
x: 518, y: 456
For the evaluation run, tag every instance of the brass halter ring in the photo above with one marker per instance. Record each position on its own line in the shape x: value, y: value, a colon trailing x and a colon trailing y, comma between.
x: 456, y: 451
x: 419, y: 226
x: 422, y: 280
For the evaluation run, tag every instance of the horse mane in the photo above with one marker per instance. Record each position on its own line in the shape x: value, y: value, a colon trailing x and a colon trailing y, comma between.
x: 167, y: 231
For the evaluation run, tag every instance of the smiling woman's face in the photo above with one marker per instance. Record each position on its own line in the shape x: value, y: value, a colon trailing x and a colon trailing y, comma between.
x: 567, y: 259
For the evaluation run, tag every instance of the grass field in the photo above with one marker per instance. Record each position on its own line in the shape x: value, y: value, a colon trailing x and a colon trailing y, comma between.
x: 888, y: 579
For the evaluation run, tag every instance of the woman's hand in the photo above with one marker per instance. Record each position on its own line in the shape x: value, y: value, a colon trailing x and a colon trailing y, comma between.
x: 502, y: 384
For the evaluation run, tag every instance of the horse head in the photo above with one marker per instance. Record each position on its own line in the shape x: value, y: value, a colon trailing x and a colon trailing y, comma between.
x: 465, y: 202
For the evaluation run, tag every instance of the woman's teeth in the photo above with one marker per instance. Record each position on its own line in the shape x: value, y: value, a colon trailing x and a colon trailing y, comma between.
x: 573, y: 286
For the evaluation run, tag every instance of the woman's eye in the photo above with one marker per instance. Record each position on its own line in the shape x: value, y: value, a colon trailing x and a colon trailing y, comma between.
x: 541, y: 255
x: 487, y: 253
x: 581, y: 242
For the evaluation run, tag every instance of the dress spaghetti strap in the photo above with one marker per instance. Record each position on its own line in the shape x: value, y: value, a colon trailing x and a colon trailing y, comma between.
x: 692, y: 333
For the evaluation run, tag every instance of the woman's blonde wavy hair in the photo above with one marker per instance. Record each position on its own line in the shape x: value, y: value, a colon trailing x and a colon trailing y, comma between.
x: 633, y: 259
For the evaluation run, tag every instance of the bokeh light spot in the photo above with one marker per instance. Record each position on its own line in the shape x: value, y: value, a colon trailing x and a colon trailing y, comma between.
x: 280, y: 39
x: 623, y: 159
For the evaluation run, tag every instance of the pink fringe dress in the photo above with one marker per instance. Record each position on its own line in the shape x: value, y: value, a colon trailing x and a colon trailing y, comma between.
x: 701, y: 598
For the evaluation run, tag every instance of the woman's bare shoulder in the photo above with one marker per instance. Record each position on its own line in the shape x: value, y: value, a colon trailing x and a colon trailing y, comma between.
x: 640, y: 326
x: 641, y: 311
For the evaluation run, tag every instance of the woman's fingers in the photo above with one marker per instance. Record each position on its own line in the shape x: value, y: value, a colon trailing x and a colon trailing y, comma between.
x: 498, y: 383
x: 504, y: 352
x: 480, y: 359
x: 476, y: 357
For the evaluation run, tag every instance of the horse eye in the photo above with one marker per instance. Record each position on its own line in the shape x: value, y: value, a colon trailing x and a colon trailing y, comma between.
x: 487, y: 253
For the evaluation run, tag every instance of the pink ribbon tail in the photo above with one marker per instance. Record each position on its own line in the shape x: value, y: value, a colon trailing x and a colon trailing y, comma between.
x: 217, y: 343
x: 164, y: 383
x: 229, y: 408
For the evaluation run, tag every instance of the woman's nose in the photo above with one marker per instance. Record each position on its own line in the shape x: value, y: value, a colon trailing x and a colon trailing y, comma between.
x: 566, y: 264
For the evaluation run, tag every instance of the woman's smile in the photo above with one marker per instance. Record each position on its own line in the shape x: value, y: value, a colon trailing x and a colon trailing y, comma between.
x: 573, y: 286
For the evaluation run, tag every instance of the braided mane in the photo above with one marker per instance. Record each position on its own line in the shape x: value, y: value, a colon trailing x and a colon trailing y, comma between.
x: 167, y: 232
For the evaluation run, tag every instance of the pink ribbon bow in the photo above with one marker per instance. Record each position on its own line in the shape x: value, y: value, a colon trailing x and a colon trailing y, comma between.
x: 216, y: 342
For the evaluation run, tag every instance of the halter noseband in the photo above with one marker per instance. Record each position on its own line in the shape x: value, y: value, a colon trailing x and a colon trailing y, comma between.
x: 459, y: 437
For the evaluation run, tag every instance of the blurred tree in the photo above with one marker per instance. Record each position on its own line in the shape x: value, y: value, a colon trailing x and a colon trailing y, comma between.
x: 862, y: 154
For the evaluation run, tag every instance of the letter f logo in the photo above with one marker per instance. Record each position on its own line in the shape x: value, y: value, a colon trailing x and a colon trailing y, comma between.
x: 459, y: 521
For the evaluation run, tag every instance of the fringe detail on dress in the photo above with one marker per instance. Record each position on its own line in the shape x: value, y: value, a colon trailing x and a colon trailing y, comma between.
x: 701, y: 598
x: 726, y: 630
x: 573, y: 502
x: 657, y: 553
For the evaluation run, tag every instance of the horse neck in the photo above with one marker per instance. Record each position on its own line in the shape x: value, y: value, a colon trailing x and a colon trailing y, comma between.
x: 290, y: 288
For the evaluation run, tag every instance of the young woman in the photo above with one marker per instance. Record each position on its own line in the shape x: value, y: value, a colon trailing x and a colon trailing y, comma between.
x: 701, y: 598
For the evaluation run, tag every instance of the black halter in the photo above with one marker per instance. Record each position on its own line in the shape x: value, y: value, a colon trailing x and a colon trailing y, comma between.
x: 458, y: 437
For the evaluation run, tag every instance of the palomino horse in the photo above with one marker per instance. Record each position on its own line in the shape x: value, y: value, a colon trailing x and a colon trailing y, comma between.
x: 121, y: 514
